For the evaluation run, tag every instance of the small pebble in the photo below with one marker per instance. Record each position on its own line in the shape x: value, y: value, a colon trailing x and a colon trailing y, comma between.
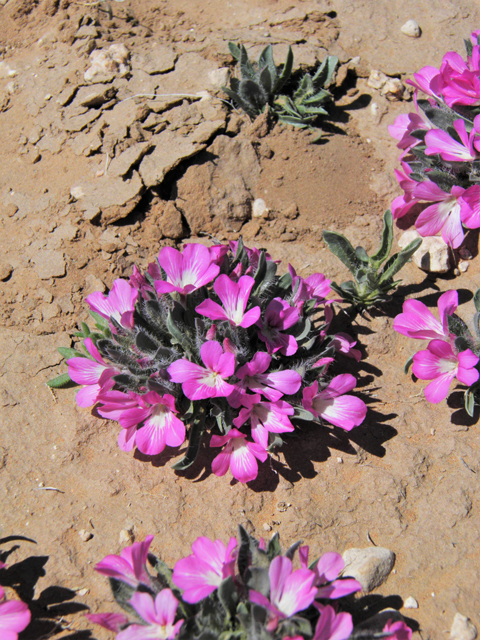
x: 259, y: 209
x: 411, y: 29
x: 463, y: 266
x: 340, y: 460
x: 432, y: 432
x: 126, y: 536
x: 267, y: 527
x: 462, y: 628
x: 410, y: 603
x: 83, y: 592
x: 85, y: 535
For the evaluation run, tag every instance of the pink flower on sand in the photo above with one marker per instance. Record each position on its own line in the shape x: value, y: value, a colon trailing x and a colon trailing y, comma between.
x: 397, y: 630
x: 95, y: 374
x: 327, y: 575
x: 404, y: 126
x: 160, y: 426
x: 315, y: 286
x: 129, y: 566
x: 14, y: 617
x: 186, y: 270
x: 279, y: 316
x: 445, y: 215
x: 290, y: 591
x: 438, y: 141
x: 331, y: 625
x: 265, y: 418
x: 201, y: 573
x: 417, y: 321
x: 331, y: 404
x: 111, y: 621
x: 234, y: 297
x: 272, y: 385
x: 428, y: 80
x: 238, y: 455
x: 440, y: 364
x: 119, y: 304
x: 200, y: 382
x: 159, y: 614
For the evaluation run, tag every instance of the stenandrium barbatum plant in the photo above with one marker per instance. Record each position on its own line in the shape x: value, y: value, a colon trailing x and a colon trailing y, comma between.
x: 452, y: 352
x: 372, y: 282
x: 440, y: 146
x: 246, y: 590
x: 262, y: 82
x: 213, y: 340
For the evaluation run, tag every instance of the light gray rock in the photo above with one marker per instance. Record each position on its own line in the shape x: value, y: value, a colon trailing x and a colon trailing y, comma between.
x: 433, y: 255
x: 259, y: 209
x: 462, y: 628
x: 49, y: 264
x: 371, y: 566
x: 411, y: 29
x: 410, y: 603
x: 219, y: 77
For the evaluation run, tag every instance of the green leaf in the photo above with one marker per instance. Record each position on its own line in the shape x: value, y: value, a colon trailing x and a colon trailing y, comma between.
x: 362, y: 255
x: 469, y: 402
x: 444, y: 180
x: 343, y: 249
x: 324, y: 73
x: 234, y: 50
x: 240, y: 103
x: 265, y: 60
x: 162, y: 570
x: 68, y: 353
x: 457, y: 326
x: 100, y: 322
x: 408, y: 364
x: 285, y: 73
x: 122, y: 592
x: 246, y: 67
x: 61, y: 382
x: 195, y: 440
x: 228, y: 596
x: 303, y: 414
x: 387, y: 240
x: 265, y: 80
x: 274, y: 549
x: 397, y: 261
x: 476, y: 300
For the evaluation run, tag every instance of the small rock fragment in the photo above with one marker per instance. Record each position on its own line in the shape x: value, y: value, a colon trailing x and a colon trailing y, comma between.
x: 93, y: 284
x: 5, y: 271
x: 219, y: 78
x: 433, y: 255
x: 85, y: 535
x: 462, y: 628
x: 107, y: 62
x: 83, y: 592
x: 49, y: 264
x: 267, y: 527
x: 393, y: 90
x: 259, y: 209
x: 371, y: 567
x: 291, y: 212
x: 463, y: 266
x: 126, y: 536
x: 377, y: 79
x: 411, y: 29
x: 410, y: 603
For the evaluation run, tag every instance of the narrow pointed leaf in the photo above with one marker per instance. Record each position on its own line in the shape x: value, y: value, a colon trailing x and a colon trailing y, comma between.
x: 342, y: 248
x: 387, y: 240
x: 61, y: 382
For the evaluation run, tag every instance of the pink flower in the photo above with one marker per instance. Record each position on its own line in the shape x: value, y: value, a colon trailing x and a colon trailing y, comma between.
x: 327, y: 575
x: 471, y: 212
x: 290, y: 591
x: 203, y: 572
x: 344, y: 343
x: 272, y: 385
x: 279, y: 316
x: 14, y: 617
x: 417, y: 321
x: 460, y: 78
x: 199, y: 382
x: 438, y: 141
x: 186, y: 271
x: 331, y: 625
x: 445, y: 215
x: 397, y: 630
x: 428, y: 80
x: 94, y: 373
x: 265, y: 418
x: 315, y: 286
x: 234, y: 297
x: 129, y: 566
x: 405, y: 124
x: 111, y: 621
x: 159, y: 614
x: 331, y: 404
x: 238, y: 455
x: 119, y: 304
x: 439, y: 363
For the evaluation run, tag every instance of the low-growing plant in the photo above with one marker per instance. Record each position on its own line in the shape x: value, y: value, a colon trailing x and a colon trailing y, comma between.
x: 372, y: 283
x: 452, y: 352
x: 246, y: 590
x: 213, y: 340
x: 261, y: 84
x: 440, y: 146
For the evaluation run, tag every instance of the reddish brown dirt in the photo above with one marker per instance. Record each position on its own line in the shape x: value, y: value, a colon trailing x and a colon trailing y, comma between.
x: 407, y: 479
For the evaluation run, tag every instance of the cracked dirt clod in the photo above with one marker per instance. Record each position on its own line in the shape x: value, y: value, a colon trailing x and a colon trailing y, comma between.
x: 49, y: 264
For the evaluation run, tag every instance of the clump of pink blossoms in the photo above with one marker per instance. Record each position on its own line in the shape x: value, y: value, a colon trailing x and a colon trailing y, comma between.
x: 452, y: 352
x: 213, y: 340
x: 440, y: 145
x: 245, y: 589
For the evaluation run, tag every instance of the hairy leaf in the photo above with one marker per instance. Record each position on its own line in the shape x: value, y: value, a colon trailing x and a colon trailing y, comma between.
x: 61, y: 382
x: 387, y: 240
x: 342, y: 248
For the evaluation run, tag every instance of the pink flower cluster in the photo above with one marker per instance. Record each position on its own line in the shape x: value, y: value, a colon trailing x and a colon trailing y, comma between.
x: 441, y: 362
x: 14, y: 616
x: 196, y: 579
x: 441, y: 148
x: 234, y: 349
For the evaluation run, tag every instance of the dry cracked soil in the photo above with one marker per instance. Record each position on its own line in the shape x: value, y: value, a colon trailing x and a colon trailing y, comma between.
x: 99, y: 174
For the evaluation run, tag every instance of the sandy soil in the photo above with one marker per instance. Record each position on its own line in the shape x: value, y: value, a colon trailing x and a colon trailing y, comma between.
x: 406, y: 479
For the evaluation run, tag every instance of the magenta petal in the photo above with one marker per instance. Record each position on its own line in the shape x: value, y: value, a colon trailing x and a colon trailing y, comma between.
x: 339, y: 589
x: 212, y: 310
x: 438, y: 389
x: 243, y: 464
x: 87, y: 396
x: 250, y: 317
x: 210, y: 352
x: 333, y: 627
x: 221, y: 463
x: 329, y: 566
x: 111, y: 621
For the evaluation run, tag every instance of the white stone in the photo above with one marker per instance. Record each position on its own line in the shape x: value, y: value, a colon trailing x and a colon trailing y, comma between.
x: 410, y: 603
x: 85, y: 535
x: 463, y: 266
x: 259, y: 209
x: 462, y: 628
x: 433, y: 255
x: 219, y: 78
x: 126, y: 537
x: 377, y: 79
x: 411, y: 29
x: 371, y: 566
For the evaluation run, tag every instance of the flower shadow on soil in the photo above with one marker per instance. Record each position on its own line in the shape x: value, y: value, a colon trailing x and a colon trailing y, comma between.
x: 52, y: 604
